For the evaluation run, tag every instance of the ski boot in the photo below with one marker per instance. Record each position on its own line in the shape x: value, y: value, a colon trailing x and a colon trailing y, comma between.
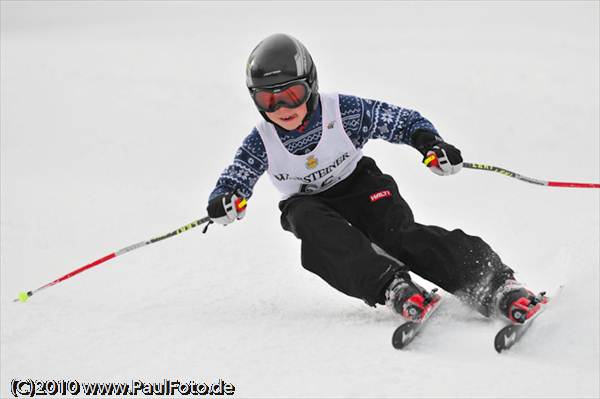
x: 517, y: 303
x: 409, y: 300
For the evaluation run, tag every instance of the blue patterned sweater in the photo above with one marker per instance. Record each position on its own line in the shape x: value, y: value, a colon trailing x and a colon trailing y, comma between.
x: 363, y: 119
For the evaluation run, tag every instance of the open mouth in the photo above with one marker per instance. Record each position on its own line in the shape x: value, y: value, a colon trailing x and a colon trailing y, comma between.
x: 288, y: 118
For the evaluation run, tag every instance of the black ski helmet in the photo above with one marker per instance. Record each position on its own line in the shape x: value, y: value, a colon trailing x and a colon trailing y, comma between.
x: 279, y: 59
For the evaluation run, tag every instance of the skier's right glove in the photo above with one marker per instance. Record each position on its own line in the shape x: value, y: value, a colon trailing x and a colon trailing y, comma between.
x: 226, y: 208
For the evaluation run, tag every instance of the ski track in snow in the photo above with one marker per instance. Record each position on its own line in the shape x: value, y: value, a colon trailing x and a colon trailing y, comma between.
x: 117, y: 120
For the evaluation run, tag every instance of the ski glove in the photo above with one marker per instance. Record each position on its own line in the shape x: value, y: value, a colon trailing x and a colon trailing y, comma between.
x: 226, y: 209
x: 441, y: 158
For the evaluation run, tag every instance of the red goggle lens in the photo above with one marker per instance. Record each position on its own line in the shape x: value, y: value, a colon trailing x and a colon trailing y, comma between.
x: 269, y: 100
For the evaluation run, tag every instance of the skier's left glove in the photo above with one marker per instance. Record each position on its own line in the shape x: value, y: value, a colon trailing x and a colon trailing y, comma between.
x: 226, y: 209
x: 443, y: 159
x: 440, y: 157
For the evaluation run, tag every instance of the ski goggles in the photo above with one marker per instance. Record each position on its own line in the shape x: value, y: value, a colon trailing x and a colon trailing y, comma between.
x: 289, y: 95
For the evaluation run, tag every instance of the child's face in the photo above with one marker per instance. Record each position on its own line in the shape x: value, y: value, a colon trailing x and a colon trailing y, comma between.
x: 288, y: 118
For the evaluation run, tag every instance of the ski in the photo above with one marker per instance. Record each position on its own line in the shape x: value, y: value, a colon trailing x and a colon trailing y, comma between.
x: 407, y: 331
x: 512, y: 333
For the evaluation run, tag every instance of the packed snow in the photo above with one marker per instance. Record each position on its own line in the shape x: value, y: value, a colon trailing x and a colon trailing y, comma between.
x: 117, y: 118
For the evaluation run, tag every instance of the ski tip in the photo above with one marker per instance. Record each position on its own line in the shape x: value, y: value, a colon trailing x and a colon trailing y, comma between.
x: 404, y: 334
x: 509, y: 335
x: 499, y: 348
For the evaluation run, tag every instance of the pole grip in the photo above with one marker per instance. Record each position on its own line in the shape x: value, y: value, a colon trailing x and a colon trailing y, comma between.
x: 431, y: 161
x: 240, y: 204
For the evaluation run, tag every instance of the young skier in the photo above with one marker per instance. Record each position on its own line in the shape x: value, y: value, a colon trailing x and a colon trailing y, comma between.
x: 357, y: 232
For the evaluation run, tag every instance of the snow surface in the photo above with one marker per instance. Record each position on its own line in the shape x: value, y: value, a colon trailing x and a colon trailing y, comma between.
x: 118, y: 117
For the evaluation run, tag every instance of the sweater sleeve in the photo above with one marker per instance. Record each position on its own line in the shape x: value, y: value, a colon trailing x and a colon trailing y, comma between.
x: 249, y: 163
x: 365, y: 119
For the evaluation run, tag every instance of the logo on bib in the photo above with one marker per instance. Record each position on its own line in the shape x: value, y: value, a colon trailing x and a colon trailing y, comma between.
x: 380, y: 195
x: 330, y: 125
x: 311, y: 162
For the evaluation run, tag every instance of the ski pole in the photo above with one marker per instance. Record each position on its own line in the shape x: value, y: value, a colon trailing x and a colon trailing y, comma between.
x: 23, y: 296
x: 489, y: 168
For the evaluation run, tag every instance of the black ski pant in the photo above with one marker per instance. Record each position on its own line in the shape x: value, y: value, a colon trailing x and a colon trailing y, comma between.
x: 338, y: 227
